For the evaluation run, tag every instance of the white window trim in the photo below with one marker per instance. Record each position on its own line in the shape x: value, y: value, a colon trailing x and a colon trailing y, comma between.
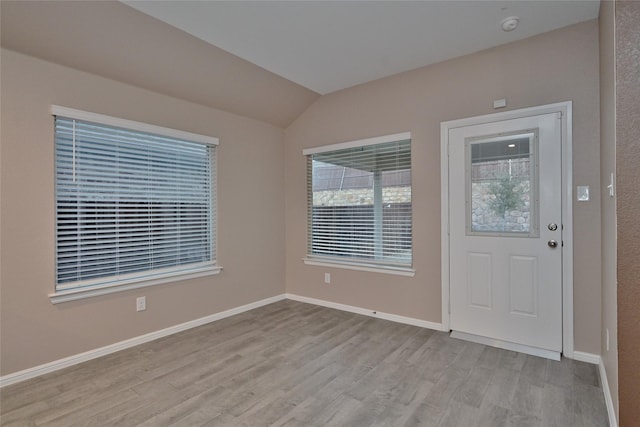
x: 113, y: 286
x: 71, y: 113
x: 359, y: 143
x: 362, y: 266
x: 127, y: 285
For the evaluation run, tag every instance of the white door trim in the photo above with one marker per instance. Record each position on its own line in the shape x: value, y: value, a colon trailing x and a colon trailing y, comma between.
x: 565, y: 108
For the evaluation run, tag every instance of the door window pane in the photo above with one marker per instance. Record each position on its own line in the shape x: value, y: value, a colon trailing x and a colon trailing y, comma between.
x: 501, y: 185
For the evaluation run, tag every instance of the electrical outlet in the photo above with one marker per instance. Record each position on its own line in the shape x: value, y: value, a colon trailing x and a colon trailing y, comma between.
x: 141, y: 303
x: 327, y: 277
x: 500, y: 103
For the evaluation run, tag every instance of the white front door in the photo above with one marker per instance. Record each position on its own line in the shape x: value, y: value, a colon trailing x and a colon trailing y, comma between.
x: 505, y: 213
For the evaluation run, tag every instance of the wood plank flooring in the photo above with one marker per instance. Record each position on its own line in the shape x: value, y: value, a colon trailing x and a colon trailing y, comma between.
x: 295, y: 364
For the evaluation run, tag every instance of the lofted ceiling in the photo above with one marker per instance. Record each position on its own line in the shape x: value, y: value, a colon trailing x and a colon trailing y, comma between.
x: 112, y: 40
x: 331, y: 45
x: 267, y: 60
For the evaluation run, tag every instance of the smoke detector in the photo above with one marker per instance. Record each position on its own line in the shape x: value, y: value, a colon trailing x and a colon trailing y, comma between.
x: 510, y: 23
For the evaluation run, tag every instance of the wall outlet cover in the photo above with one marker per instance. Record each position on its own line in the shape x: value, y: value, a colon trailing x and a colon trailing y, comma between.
x: 141, y: 303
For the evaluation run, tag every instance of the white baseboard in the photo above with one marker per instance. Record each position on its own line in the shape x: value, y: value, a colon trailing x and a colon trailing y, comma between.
x: 112, y: 348
x: 581, y: 356
x: 368, y: 312
x: 46, y: 368
x: 608, y: 400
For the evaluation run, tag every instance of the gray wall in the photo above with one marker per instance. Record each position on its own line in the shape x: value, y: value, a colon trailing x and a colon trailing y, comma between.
x: 558, y: 66
x: 250, y: 241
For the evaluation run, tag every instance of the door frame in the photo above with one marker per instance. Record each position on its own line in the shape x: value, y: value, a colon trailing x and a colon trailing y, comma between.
x: 565, y: 109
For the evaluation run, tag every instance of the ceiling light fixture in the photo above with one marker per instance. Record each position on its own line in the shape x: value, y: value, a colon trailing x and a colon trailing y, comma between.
x: 510, y: 23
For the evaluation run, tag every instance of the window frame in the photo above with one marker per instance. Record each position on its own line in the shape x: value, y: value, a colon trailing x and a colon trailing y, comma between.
x: 153, y: 277
x: 376, y: 266
x: 533, y: 140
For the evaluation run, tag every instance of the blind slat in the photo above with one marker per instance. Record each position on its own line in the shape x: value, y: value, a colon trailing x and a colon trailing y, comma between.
x: 359, y: 203
x: 130, y: 202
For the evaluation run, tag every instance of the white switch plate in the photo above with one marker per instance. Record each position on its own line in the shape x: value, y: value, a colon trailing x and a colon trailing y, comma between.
x: 327, y: 277
x: 611, y: 186
x: 141, y: 303
x: 583, y: 193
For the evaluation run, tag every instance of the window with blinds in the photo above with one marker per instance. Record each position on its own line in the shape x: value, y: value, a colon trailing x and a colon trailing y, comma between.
x: 130, y: 205
x: 359, y: 202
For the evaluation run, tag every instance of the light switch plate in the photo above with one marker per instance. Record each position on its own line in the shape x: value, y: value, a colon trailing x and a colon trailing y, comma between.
x: 583, y: 193
x: 611, y: 186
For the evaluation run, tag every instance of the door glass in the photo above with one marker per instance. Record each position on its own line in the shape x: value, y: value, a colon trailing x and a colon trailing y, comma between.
x: 501, y: 177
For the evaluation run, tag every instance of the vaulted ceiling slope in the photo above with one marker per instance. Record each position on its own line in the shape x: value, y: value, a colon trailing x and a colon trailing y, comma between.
x: 331, y: 45
x: 115, y: 41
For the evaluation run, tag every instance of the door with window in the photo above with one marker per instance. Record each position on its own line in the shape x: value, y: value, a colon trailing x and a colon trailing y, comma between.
x: 505, y: 210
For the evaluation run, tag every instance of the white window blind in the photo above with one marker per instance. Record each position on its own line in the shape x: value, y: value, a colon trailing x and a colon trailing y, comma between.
x: 359, y: 203
x: 130, y: 204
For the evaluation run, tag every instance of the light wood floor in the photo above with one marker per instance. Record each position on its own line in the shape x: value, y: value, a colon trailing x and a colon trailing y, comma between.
x: 295, y: 364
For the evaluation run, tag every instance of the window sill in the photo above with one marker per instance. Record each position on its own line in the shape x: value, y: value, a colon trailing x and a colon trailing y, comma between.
x: 113, y: 287
x: 374, y: 268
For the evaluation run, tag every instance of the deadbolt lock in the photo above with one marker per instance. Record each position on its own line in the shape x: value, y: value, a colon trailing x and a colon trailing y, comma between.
x: 552, y: 226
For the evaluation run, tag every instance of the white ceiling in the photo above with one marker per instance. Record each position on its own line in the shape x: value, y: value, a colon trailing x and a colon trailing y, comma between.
x: 330, y: 45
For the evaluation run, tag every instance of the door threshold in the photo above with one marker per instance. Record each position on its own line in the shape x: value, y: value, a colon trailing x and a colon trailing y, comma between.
x: 506, y: 345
